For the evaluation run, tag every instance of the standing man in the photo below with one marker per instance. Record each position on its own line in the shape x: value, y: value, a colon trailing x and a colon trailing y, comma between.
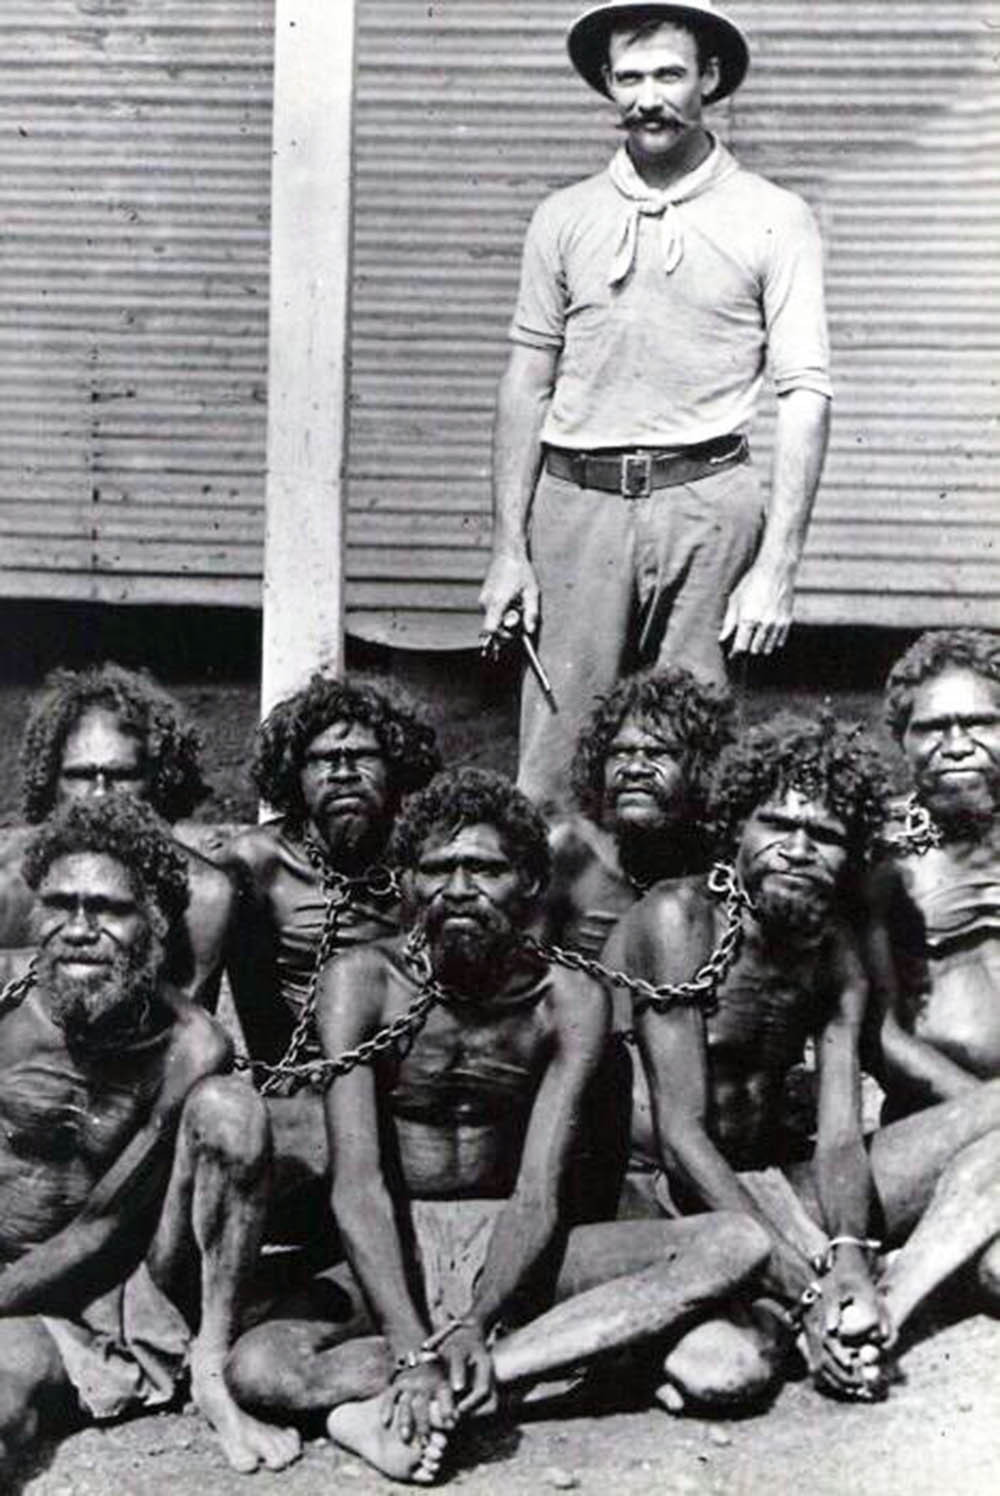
x: 934, y: 940
x: 132, y: 1174
x: 107, y: 730
x: 651, y: 297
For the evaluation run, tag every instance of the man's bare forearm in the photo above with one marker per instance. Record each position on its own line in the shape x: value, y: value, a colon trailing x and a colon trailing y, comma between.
x: 800, y: 442
x: 368, y: 1229
x: 717, y: 1185
x: 844, y: 1186
x: 523, y: 1231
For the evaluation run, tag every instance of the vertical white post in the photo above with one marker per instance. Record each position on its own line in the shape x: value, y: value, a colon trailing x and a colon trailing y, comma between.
x: 307, y: 373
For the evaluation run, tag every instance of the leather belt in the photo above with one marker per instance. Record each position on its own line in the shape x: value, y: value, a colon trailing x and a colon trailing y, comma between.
x: 636, y: 472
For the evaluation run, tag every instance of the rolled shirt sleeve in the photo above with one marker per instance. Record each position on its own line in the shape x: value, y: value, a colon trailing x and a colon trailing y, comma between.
x: 798, y: 347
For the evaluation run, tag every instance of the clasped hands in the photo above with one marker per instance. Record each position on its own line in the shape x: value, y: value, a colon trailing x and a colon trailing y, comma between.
x: 449, y: 1376
x: 846, y: 1333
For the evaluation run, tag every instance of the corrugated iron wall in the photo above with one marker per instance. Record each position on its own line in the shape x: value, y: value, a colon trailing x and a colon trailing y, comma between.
x: 134, y: 183
x: 884, y: 115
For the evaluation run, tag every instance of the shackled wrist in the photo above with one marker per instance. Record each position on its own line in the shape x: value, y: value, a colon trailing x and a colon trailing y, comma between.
x: 823, y: 1261
x: 809, y: 1296
x: 412, y: 1360
x: 433, y: 1343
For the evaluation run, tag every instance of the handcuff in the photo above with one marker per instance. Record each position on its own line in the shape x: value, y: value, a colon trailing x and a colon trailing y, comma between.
x: 429, y: 1352
x: 822, y: 1264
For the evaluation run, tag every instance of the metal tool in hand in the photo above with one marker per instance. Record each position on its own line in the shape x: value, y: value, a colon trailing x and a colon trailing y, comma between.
x: 511, y: 627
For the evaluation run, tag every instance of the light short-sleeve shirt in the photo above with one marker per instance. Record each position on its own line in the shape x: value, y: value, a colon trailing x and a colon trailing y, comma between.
x: 672, y: 359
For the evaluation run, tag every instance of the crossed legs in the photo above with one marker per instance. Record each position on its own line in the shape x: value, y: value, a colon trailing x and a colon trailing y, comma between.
x: 620, y: 1283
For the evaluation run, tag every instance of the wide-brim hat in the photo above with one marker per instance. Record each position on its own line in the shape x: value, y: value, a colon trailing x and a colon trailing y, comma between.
x: 587, y: 40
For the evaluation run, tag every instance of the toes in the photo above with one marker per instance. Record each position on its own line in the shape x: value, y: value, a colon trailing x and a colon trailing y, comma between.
x: 283, y: 1449
x: 670, y: 1397
x: 431, y: 1456
x: 242, y: 1459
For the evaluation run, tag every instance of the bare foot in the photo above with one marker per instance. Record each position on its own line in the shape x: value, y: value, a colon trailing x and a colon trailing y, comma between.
x: 671, y: 1398
x: 358, y: 1427
x: 246, y: 1442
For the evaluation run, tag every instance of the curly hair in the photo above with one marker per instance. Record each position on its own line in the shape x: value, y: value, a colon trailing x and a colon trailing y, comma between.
x: 406, y: 741
x: 932, y: 654
x: 837, y: 763
x: 467, y: 797
x: 123, y: 828
x: 171, y: 745
x: 698, y: 714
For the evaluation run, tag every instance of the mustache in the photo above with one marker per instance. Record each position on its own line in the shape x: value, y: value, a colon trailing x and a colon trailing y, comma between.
x: 633, y: 117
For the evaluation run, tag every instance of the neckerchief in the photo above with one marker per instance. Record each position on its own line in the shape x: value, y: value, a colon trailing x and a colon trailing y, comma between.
x: 653, y: 202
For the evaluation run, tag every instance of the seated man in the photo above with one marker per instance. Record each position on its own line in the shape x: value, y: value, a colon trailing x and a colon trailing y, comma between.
x: 108, y: 729
x: 451, y: 1154
x: 334, y: 760
x: 639, y: 774
x: 934, y: 938
x: 794, y: 803
x: 132, y: 1175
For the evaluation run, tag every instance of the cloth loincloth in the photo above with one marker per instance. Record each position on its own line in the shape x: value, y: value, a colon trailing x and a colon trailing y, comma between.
x: 128, y: 1349
x: 452, y: 1239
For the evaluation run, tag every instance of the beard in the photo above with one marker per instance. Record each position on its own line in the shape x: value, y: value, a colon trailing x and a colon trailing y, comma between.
x: 354, y: 836
x: 114, y: 1002
x: 470, y: 958
x: 795, y: 911
x: 649, y: 853
x: 963, y: 808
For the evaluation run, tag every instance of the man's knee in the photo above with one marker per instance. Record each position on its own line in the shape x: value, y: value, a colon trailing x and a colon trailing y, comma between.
x: 34, y: 1390
x: 988, y: 1277
x: 226, y: 1120
x: 745, y: 1242
x: 254, y: 1364
x: 975, y: 1169
x: 723, y: 1363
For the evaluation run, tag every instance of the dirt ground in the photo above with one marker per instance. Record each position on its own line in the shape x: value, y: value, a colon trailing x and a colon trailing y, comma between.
x: 939, y: 1432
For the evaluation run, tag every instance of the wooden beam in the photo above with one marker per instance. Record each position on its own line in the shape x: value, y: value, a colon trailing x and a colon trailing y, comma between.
x: 309, y: 312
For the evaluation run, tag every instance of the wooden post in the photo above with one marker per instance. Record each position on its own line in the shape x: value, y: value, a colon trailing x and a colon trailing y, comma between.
x: 307, y: 362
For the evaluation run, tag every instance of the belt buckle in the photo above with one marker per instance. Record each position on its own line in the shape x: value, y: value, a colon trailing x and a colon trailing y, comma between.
x: 637, y: 475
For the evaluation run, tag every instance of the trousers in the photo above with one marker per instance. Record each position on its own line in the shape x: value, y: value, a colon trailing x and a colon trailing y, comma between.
x: 626, y: 583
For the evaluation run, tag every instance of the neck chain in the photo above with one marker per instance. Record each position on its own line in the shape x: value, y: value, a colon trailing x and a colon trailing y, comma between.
x: 701, y: 990
x: 340, y: 893
x: 722, y: 883
x: 920, y: 832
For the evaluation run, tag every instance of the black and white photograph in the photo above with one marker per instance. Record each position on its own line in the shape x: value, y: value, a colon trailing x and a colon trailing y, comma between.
x: 499, y: 747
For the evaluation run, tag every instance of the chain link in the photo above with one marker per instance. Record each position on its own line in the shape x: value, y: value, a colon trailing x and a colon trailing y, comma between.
x: 17, y: 989
x: 319, y: 1073
x: 339, y: 892
x: 702, y: 987
x: 919, y: 834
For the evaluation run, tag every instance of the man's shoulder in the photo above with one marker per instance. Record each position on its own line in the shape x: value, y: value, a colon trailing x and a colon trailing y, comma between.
x: 769, y: 201
x: 686, y: 898
x: 367, y: 968
x: 576, y: 1000
x: 259, y: 848
x: 212, y: 887
x: 195, y: 1034
x: 565, y: 204
x: 575, y: 841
